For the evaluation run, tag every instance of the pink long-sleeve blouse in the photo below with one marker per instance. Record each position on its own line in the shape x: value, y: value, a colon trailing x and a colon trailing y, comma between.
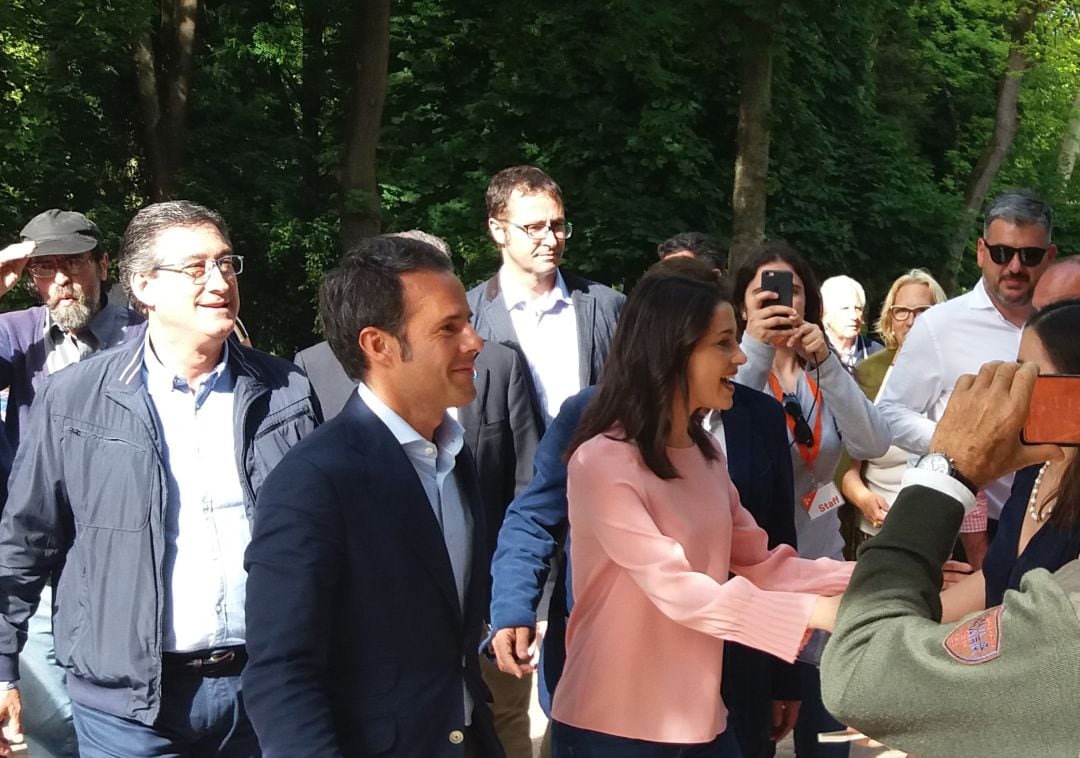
x: 653, y: 603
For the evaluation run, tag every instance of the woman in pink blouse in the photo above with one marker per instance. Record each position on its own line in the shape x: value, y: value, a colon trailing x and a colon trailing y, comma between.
x: 657, y: 530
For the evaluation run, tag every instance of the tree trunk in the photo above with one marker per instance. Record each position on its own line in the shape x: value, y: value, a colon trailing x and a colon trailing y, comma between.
x: 150, y: 112
x: 750, y: 193
x: 1001, y: 139
x: 163, y: 80
x: 1070, y: 143
x: 359, y: 190
x: 179, y: 81
x: 313, y: 20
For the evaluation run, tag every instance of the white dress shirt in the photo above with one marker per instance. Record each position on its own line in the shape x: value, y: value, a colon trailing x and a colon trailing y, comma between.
x: 951, y: 339
x: 205, y: 524
x: 546, y: 329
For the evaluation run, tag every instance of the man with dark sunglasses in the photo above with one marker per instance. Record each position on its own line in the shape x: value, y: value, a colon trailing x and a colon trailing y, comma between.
x: 983, y: 325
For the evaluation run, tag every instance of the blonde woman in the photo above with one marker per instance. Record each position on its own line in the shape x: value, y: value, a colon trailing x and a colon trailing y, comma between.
x: 872, y: 485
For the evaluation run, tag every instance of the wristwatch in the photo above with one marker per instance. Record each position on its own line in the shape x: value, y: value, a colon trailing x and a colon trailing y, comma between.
x: 943, y: 464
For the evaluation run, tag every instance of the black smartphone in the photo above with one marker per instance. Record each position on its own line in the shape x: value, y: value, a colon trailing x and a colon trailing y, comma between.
x: 778, y: 281
x: 1054, y: 416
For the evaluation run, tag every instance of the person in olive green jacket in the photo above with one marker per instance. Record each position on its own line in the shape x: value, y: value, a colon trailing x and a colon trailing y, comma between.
x: 1002, y: 682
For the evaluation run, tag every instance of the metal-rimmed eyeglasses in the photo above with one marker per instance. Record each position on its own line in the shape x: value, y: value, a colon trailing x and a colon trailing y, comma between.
x: 46, y: 268
x: 538, y: 231
x: 199, y: 269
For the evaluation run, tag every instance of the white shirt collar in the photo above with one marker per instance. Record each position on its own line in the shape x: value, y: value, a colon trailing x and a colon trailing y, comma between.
x: 449, y: 435
x: 980, y: 299
x: 516, y: 295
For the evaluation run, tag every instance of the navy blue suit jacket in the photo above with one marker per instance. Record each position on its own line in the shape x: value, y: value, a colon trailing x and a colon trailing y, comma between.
x: 358, y: 644
x: 535, y: 527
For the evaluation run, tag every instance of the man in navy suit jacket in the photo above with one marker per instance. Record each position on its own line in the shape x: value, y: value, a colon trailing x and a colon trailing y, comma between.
x: 366, y: 590
x: 535, y: 527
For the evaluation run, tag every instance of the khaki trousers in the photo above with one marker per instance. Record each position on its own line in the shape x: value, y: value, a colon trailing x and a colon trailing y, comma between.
x: 512, y: 697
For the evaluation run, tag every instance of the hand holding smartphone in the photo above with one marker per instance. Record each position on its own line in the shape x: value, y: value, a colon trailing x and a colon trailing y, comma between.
x: 1054, y: 414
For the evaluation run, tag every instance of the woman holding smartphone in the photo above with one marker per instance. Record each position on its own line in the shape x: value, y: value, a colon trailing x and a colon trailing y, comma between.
x: 1040, y: 522
x: 656, y: 530
x: 788, y: 356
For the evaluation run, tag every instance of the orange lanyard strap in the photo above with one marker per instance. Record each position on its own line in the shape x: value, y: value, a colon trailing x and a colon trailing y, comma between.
x: 809, y: 453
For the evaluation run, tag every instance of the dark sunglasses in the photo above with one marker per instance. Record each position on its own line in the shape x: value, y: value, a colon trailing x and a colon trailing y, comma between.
x: 1003, y: 254
x: 803, y: 434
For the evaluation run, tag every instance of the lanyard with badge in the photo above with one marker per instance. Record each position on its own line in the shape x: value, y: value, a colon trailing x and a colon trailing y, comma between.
x: 824, y: 496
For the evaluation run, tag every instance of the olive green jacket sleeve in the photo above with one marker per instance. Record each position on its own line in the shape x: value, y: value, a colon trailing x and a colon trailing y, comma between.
x: 1002, y: 682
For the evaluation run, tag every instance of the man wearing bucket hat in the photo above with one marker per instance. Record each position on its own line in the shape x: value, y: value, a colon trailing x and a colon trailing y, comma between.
x: 66, y: 266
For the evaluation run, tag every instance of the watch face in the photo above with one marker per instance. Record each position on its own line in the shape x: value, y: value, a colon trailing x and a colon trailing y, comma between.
x: 935, y: 462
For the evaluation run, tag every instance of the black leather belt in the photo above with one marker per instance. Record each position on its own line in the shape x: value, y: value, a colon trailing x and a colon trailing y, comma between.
x: 224, y: 661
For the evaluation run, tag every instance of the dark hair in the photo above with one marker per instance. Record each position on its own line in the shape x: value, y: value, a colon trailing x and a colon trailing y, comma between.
x: 138, y: 254
x: 1057, y: 326
x: 528, y: 180
x: 365, y: 289
x: 665, y: 316
x: 702, y: 246
x: 777, y: 251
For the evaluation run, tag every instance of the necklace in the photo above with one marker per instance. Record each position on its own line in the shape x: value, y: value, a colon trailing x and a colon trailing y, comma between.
x: 1038, y: 516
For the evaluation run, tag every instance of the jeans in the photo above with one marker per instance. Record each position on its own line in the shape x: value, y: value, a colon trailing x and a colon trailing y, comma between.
x: 571, y: 742
x: 199, y: 717
x: 46, y: 705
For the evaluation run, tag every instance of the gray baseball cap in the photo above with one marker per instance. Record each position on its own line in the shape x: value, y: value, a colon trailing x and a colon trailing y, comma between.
x: 57, y: 232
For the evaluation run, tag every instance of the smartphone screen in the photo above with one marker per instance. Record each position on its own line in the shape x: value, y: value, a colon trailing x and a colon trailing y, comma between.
x: 778, y: 281
x: 1054, y: 416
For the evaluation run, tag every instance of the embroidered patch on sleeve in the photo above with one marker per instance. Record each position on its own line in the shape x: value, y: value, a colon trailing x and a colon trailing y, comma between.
x: 976, y: 640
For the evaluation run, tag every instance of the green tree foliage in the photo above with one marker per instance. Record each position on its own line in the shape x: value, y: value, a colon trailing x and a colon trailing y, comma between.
x: 879, y: 112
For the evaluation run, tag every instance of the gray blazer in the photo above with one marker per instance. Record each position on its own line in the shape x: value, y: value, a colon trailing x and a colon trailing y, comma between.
x: 596, y: 308
x: 501, y: 428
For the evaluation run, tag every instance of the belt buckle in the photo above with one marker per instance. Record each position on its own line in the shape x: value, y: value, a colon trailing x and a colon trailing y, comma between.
x: 214, y: 659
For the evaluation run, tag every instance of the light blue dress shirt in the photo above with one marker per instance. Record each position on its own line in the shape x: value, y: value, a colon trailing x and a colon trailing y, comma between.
x: 206, y: 527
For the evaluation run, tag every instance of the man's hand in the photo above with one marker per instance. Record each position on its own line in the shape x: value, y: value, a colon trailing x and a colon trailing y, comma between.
x: 980, y: 430
x: 11, y: 718
x: 514, y: 648
x: 784, y: 715
x: 12, y: 262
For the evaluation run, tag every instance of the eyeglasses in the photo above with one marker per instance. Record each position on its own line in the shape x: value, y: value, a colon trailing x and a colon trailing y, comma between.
x: 1003, y: 254
x: 538, y: 231
x: 199, y: 269
x: 803, y: 434
x: 902, y: 313
x: 46, y: 268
